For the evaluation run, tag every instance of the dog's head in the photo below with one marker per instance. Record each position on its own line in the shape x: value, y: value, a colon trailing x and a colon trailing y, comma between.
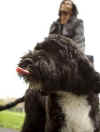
x: 38, y: 68
x: 28, y: 67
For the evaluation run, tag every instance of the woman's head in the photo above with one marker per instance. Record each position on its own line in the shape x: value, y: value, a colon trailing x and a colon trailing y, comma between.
x: 67, y: 9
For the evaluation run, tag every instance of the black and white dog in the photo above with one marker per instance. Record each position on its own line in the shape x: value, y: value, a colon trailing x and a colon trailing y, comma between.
x: 63, y: 88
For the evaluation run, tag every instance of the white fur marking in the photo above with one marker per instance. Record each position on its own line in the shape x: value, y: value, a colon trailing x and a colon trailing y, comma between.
x: 76, y: 109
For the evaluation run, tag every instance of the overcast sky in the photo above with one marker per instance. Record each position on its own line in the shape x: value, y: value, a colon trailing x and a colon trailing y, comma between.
x: 23, y: 23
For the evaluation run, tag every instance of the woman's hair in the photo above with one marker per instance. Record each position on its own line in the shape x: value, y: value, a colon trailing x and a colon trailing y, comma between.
x: 74, y: 10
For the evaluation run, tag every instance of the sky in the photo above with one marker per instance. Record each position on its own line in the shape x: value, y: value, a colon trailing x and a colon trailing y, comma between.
x: 23, y: 23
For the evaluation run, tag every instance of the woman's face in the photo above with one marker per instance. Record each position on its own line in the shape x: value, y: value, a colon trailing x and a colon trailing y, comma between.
x: 65, y: 12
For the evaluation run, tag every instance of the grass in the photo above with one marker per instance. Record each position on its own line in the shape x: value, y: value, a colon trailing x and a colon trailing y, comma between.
x: 12, y: 120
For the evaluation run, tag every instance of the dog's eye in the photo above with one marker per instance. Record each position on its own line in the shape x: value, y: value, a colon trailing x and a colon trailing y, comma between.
x: 29, y: 66
x: 26, y: 63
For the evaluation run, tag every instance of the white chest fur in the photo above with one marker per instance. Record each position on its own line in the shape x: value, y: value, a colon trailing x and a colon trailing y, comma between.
x: 76, y: 110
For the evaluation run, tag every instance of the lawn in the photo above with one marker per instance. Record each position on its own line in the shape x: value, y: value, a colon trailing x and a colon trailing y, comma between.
x: 11, y: 119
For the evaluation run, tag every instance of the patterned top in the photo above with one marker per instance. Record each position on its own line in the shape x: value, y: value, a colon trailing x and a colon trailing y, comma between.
x: 74, y: 29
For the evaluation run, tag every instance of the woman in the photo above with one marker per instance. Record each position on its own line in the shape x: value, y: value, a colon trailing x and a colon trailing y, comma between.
x: 69, y: 25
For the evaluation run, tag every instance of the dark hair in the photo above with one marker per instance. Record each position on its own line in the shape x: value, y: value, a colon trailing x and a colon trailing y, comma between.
x: 74, y: 10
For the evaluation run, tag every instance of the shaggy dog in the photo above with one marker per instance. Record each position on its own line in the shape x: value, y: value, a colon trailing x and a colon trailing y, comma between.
x: 63, y: 88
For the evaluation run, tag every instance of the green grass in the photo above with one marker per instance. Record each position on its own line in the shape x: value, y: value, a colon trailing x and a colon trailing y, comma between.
x: 11, y: 119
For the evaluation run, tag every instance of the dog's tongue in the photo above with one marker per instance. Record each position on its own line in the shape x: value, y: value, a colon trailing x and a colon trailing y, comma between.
x: 22, y: 71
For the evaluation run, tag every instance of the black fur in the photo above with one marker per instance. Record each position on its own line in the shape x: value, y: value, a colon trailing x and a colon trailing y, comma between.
x: 58, y: 66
